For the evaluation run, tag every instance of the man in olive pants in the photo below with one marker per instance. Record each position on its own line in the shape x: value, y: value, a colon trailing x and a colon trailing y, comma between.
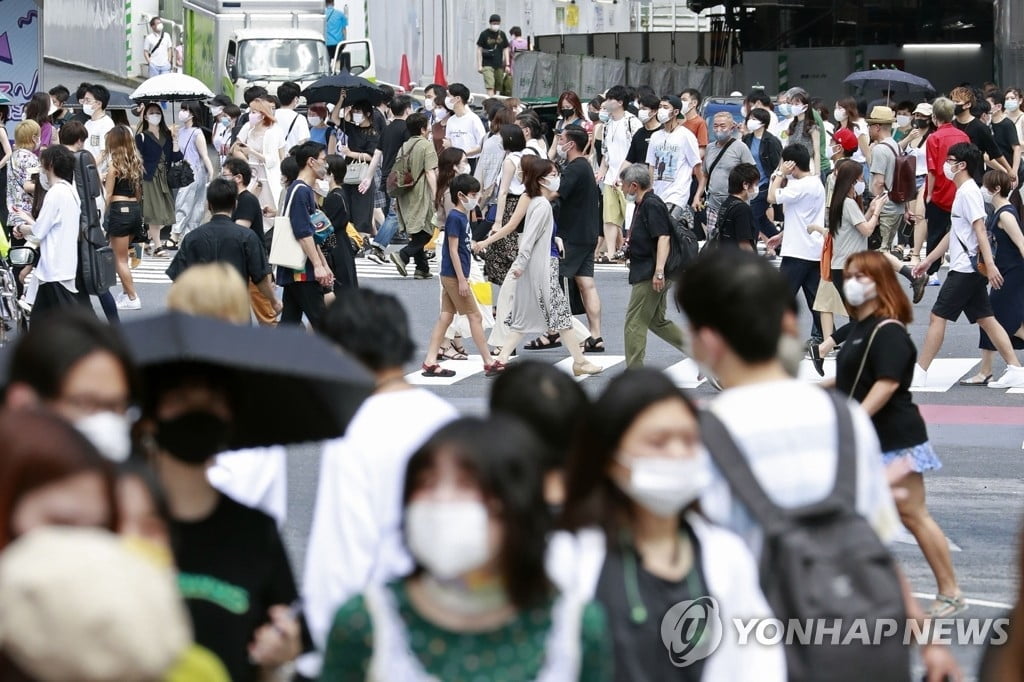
x: 649, y: 243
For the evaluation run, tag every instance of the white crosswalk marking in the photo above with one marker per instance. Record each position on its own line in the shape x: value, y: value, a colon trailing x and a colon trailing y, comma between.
x: 599, y: 359
x: 945, y: 373
x: 685, y: 374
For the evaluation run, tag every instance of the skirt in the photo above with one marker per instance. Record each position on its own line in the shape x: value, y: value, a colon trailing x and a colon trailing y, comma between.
x: 500, y: 255
x: 922, y: 457
x: 157, y: 205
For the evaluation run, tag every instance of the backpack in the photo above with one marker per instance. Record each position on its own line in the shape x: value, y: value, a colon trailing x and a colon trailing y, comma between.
x: 823, y: 562
x: 400, y: 179
x: 904, y: 177
x: 683, y: 246
x: 95, y: 257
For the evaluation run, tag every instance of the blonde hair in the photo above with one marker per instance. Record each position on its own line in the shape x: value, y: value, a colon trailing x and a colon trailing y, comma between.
x: 124, y: 156
x: 25, y: 134
x: 265, y: 108
x: 211, y: 290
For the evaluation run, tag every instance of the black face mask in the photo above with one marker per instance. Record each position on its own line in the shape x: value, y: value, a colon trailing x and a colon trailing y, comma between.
x: 568, y: 113
x: 193, y: 437
x: 594, y: 117
x: 919, y: 123
x: 959, y: 109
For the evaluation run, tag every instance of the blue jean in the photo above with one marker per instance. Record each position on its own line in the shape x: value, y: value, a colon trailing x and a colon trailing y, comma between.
x: 387, y: 230
x: 804, y: 275
x: 157, y: 70
x: 109, y: 307
x: 759, y: 205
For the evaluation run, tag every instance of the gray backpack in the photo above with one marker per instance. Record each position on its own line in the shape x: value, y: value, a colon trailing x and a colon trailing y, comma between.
x: 823, y: 562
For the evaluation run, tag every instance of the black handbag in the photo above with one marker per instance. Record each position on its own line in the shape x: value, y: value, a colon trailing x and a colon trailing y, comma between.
x: 180, y: 174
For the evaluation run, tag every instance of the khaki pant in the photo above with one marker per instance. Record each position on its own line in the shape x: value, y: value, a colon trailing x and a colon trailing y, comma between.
x: 646, y: 312
x: 888, y: 227
x: 261, y: 307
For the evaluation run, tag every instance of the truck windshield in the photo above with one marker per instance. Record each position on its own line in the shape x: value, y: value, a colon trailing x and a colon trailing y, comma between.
x: 282, y: 59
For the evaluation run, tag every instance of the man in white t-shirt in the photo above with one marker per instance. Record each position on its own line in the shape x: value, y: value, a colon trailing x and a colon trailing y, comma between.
x: 94, y: 105
x: 793, y: 453
x: 965, y: 289
x: 673, y: 155
x: 619, y: 128
x: 804, y: 200
x: 157, y: 48
x: 356, y: 536
x: 465, y: 130
x: 293, y: 126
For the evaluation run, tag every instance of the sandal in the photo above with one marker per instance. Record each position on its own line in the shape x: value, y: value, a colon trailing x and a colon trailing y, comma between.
x: 496, y: 351
x: 458, y: 347
x: 947, y: 607
x: 171, y: 244
x: 603, y: 260
x: 972, y: 381
x: 544, y: 342
x: 495, y: 368
x: 592, y: 345
x: 437, y: 371
x: 452, y: 352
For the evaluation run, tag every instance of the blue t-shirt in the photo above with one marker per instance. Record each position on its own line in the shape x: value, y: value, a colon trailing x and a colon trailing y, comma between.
x: 321, y: 135
x: 303, y: 205
x: 755, y: 151
x: 335, y: 24
x: 457, y: 225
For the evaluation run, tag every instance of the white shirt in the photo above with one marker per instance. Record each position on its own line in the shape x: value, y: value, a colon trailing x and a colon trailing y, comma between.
x: 356, y: 537
x: 57, y: 231
x: 618, y: 136
x: 96, y: 143
x: 794, y: 456
x: 299, y: 131
x: 804, y: 200
x: 159, y: 57
x: 968, y: 206
x: 466, y: 132
x: 860, y: 129
x: 673, y: 157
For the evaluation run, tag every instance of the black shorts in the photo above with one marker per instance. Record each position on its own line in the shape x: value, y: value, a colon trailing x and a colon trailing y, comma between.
x: 963, y: 292
x: 578, y: 261
x: 124, y: 219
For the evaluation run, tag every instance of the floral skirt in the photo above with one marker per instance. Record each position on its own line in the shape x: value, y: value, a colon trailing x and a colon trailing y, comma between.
x: 921, y: 457
x: 500, y: 255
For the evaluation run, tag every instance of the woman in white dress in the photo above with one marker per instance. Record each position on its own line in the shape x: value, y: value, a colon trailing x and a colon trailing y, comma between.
x: 261, y: 144
x: 537, y: 303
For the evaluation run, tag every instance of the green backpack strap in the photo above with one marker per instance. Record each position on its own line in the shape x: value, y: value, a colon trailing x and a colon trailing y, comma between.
x: 826, y: 163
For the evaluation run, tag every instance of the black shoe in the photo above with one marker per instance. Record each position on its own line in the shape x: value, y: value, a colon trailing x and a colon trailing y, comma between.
x: 423, y: 274
x: 815, y: 354
x: 919, y: 285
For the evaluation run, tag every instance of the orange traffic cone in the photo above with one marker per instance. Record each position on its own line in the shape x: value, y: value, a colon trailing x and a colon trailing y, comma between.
x: 404, y: 79
x: 439, y: 72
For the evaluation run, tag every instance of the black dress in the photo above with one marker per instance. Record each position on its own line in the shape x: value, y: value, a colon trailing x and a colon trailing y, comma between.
x: 362, y: 139
x: 1008, y: 300
x: 339, y: 252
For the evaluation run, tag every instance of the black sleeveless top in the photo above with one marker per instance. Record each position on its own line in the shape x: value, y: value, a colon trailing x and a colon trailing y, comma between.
x: 123, y: 187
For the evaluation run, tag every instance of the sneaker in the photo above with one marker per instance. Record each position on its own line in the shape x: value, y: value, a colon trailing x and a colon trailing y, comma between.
x: 396, y: 258
x: 935, y: 281
x: 920, y: 379
x: 431, y: 255
x: 1013, y: 377
x: 918, y: 285
x: 814, y: 352
x: 423, y: 274
x: 376, y: 254
x: 125, y: 303
x: 25, y: 305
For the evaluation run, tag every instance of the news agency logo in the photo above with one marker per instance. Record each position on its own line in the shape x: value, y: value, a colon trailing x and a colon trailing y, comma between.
x: 691, y: 630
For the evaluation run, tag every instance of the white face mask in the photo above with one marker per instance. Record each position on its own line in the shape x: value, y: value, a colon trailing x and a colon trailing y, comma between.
x: 903, y: 121
x: 1011, y: 104
x: 560, y: 152
x: 798, y: 109
x: 753, y: 125
x: 839, y: 114
x: 495, y: 27
x: 857, y: 292
x: 449, y: 102
x: 471, y: 202
x: 88, y: 109
x: 859, y: 187
x: 665, y: 485
x: 462, y: 168
x: 315, y: 121
x: 686, y: 108
x: 428, y: 104
x: 216, y: 111
x: 158, y: 28
x: 644, y: 115
x: 357, y: 118
x: 184, y: 116
x: 441, y: 115
x: 448, y: 539
x: 154, y: 119
x: 947, y: 170
x: 255, y: 118
x: 743, y: 111
x: 109, y: 432
x: 552, y: 183
x: 664, y: 114
x: 986, y: 195
x: 53, y: 109
x: 44, y: 180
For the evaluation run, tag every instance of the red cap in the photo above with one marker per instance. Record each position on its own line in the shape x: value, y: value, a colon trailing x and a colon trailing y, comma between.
x: 846, y: 138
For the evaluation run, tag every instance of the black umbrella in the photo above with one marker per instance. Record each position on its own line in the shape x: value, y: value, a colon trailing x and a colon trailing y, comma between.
x: 287, y: 386
x: 328, y: 89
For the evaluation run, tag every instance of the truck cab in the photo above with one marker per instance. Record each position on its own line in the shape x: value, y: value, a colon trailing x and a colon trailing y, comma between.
x: 356, y: 57
x: 269, y: 57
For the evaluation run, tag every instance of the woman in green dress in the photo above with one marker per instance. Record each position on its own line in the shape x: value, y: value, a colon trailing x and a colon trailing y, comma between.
x: 479, y: 604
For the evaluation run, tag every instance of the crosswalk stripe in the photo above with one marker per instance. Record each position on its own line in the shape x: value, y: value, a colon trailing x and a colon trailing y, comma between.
x: 685, y: 374
x: 601, y: 360
x: 463, y: 370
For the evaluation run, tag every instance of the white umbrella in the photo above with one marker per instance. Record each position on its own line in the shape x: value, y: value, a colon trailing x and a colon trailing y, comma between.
x: 171, y: 87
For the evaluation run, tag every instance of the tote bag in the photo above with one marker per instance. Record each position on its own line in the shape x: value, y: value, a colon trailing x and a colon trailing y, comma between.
x: 285, y: 249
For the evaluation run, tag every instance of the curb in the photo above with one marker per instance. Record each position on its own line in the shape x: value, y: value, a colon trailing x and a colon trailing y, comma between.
x: 128, y: 81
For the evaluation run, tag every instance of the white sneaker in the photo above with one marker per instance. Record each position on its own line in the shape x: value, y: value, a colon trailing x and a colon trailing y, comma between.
x: 920, y: 379
x: 934, y: 281
x: 1013, y: 377
x: 25, y: 305
x: 125, y: 303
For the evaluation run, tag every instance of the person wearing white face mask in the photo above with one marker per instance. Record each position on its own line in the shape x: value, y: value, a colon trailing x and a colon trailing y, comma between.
x: 361, y: 151
x: 766, y: 149
x: 722, y: 156
x: 94, y: 105
x: 641, y: 546
x: 158, y: 48
x: 261, y: 144
x: 479, y: 604
x: 189, y: 202
x: 674, y: 158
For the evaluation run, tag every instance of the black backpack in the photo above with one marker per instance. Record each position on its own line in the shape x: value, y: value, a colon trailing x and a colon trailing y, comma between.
x: 823, y: 562
x: 684, y: 246
x: 95, y: 257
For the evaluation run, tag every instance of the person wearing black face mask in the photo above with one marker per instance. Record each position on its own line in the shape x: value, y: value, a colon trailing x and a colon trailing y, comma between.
x: 570, y: 113
x: 980, y: 134
x: 233, y: 570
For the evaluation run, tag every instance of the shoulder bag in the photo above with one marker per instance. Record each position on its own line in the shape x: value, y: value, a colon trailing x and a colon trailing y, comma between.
x: 179, y: 173
x: 285, y: 249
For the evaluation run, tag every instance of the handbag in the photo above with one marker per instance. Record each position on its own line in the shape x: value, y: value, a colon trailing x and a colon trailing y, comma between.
x: 285, y: 249
x: 322, y: 227
x: 180, y: 173
x: 355, y: 172
x: 826, y: 258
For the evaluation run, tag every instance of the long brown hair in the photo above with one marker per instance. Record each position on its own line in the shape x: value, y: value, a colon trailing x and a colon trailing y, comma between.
x: 852, y: 112
x: 847, y: 175
x: 534, y: 170
x: 892, y: 302
x: 447, y: 161
x: 124, y: 156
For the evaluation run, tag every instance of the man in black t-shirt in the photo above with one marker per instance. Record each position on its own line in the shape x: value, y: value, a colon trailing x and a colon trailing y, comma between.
x: 493, y: 59
x: 648, y: 115
x: 649, y: 244
x: 735, y: 226
x: 579, y: 226
x: 391, y: 141
x: 1004, y: 131
x: 979, y: 133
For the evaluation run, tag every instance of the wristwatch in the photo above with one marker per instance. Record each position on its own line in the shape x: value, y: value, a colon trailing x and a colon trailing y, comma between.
x: 659, y: 275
